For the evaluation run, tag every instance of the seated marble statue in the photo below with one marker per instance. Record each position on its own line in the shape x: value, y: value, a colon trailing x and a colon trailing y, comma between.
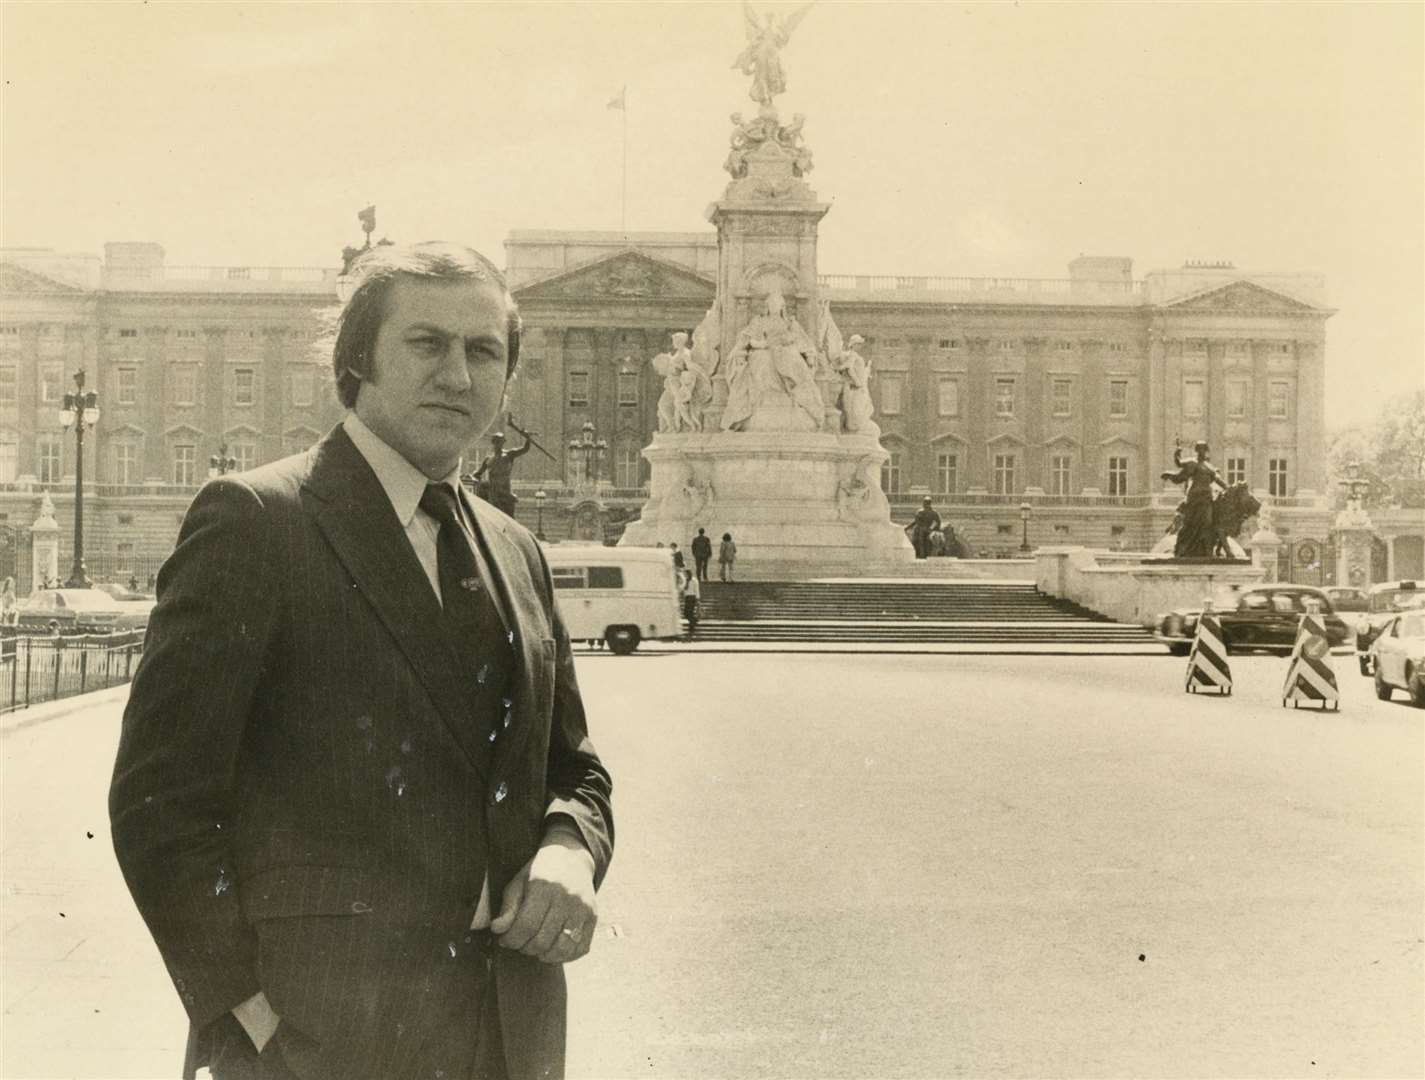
x: 772, y: 359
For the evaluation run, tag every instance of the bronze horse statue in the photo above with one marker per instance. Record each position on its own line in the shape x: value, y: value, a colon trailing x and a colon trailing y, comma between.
x: 1229, y: 511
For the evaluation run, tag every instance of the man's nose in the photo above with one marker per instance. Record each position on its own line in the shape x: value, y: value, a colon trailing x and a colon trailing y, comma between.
x: 454, y: 372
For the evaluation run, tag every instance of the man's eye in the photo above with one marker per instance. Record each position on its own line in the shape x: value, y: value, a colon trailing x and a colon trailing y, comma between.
x: 427, y: 345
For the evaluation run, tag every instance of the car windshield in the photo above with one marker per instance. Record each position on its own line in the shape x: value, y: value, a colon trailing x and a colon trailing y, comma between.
x: 1397, y: 599
x: 1412, y: 626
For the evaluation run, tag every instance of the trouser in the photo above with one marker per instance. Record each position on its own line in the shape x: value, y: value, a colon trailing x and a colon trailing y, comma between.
x: 700, y: 563
x: 470, y: 1042
x: 726, y: 570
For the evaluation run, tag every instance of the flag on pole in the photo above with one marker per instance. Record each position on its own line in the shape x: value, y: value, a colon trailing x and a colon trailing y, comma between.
x: 619, y: 101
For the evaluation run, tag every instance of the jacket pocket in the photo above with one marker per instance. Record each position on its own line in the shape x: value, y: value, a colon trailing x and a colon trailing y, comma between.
x: 292, y: 891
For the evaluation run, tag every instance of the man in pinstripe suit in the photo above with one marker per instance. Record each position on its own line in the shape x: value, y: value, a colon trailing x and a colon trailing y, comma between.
x: 355, y: 799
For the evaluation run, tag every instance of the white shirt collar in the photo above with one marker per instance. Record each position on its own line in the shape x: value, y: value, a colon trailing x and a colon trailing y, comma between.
x: 403, y: 483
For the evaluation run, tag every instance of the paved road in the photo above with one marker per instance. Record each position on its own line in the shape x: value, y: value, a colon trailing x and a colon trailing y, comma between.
x: 889, y: 866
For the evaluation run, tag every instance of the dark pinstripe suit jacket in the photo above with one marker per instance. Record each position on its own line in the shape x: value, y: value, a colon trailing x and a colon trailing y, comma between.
x: 295, y: 804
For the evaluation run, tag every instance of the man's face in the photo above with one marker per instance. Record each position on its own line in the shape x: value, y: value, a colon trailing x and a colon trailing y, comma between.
x: 438, y: 372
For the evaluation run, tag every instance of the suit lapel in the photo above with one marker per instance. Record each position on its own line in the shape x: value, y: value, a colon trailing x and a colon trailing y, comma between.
x: 353, y: 512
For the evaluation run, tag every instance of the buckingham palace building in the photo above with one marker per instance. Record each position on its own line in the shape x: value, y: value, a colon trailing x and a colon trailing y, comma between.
x: 1038, y: 407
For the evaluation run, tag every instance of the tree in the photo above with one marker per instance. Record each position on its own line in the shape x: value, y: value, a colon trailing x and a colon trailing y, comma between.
x: 1390, y: 451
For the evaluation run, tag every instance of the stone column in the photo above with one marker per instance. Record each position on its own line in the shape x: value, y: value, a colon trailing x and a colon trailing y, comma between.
x: 1156, y: 440
x: 556, y: 392
x: 1310, y: 463
x: 919, y: 412
x: 1216, y: 398
x: 1035, y: 468
x: 1257, y: 460
x: 1091, y: 394
x: 976, y: 407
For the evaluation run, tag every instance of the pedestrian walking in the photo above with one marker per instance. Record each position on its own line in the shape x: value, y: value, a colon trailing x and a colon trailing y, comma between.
x: 726, y: 557
x: 926, y: 522
x: 692, y: 601
x: 9, y: 605
x: 677, y: 557
x: 702, y: 554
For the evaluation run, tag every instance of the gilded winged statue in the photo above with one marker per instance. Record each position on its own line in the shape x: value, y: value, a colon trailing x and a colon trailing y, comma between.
x: 761, y: 59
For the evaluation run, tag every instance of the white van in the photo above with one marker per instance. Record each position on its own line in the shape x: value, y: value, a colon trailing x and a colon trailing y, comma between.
x: 618, y: 595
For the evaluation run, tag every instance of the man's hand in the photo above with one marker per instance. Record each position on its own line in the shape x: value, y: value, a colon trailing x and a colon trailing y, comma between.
x: 548, y: 910
x: 257, y: 1019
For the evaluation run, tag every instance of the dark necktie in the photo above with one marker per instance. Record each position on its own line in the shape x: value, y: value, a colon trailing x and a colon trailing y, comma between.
x: 482, y: 648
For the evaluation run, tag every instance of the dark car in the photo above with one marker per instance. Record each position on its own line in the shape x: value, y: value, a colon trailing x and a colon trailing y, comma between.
x: 1383, y: 603
x: 1346, y: 598
x: 1263, y: 617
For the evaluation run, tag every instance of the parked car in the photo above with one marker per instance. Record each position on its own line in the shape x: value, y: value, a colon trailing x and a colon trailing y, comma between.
x: 1383, y: 602
x: 81, y: 611
x: 120, y: 592
x: 1346, y: 598
x: 1398, y: 657
x: 1263, y: 617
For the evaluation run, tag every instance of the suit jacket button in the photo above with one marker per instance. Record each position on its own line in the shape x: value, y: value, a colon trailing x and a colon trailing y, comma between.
x: 501, y: 792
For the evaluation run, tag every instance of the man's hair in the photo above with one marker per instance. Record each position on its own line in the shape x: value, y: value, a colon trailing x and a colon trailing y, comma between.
x: 373, y: 276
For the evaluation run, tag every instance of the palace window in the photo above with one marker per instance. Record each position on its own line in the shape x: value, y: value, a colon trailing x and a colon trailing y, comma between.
x: 1117, y: 346
x: 48, y: 452
x: 1060, y: 473
x: 949, y: 343
x: 9, y: 393
x: 949, y: 397
x: 186, y: 335
x: 626, y: 466
x: 1194, y: 399
x: 1237, y: 397
x: 10, y: 331
x: 1118, y: 397
x: 185, y: 384
x: 1061, y: 397
x: 891, y: 386
x: 126, y: 463
x: 1277, y: 400
x: 1006, y: 345
x: 1066, y: 346
x: 185, y: 460
x: 50, y: 377
x: 1004, y: 397
x: 1276, y: 477
x: 126, y: 385
x: 9, y: 458
x: 245, y: 454
x: 947, y: 473
x: 244, y: 381
x: 1118, y: 476
x: 627, y: 393
x: 578, y: 388
x: 1002, y: 475
x: 304, y: 387
x: 128, y: 332
x: 1236, y: 472
x: 891, y: 474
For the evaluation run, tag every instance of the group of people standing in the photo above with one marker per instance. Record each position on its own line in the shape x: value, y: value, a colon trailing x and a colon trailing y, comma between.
x: 690, y: 591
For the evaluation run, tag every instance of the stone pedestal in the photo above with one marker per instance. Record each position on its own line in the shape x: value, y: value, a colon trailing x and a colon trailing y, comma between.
x: 44, y: 537
x: 1265, y: 546
x: 797, y: 504
x: 1355, y: 534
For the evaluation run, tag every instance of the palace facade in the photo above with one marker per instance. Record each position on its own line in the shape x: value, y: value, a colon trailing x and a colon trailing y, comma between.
x: 1065, y: 395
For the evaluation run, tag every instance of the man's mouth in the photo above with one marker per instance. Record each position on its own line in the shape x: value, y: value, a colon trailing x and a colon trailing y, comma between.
x: 445, y: 407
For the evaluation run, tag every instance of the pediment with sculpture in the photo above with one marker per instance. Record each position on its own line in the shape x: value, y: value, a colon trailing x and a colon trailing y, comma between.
x: 1242, y: 296
x: 625, y: 275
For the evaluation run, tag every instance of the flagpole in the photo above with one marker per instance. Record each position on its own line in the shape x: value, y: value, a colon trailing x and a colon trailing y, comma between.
x: 624, y: 201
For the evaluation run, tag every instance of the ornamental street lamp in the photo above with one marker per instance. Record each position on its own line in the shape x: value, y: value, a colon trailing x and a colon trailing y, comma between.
x: 539, y: 497
x: 80, y: 411
x: 586, y: 453
x: 222, y: 462
x: 1355, y: 484
x: 1024, y: 511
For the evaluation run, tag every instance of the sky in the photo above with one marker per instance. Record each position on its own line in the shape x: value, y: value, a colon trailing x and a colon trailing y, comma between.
x: 950, y: 139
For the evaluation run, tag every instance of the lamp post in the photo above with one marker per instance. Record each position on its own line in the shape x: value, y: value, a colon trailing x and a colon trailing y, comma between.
x: 80, y: 410
x: 222, y: 462
x: 587, y: 454
x: 539, y: 497
x: 1356, y: 485
x: 1024, y: 511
